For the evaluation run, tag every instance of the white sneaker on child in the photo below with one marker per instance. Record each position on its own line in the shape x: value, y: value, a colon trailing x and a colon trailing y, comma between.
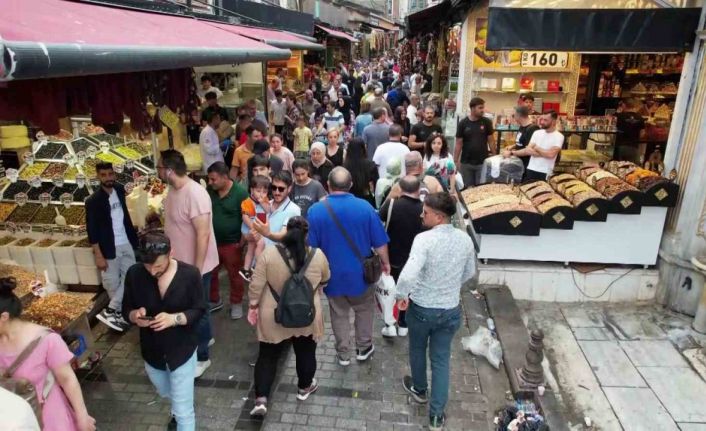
x: 389, y: 331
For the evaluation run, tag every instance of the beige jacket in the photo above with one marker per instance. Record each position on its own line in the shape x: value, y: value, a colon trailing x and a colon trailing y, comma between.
x: 271, y: 270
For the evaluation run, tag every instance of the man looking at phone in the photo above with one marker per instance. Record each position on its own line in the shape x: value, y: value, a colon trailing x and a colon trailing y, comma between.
x: 164, y: 298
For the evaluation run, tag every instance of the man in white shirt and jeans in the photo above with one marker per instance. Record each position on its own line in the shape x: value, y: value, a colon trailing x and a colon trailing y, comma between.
x: 394, y: 149
x: 209, y: 143
x: 544, y: 147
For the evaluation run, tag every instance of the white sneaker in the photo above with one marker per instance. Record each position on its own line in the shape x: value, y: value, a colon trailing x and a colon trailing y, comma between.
x: 236, y: 311
x: 389, y: 331
x: 112, y: 319
x: 211, y: 342
x: 260, y: 409
x: 342, y: 361
x: 201, y: 367
x: 402, y: 332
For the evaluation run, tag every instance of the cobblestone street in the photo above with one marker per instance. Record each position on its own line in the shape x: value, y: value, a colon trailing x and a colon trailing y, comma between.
x: 361, y: 396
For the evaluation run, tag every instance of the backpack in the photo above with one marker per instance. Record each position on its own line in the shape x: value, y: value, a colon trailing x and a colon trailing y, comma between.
x: 295, y: 306
x: 23, y: 387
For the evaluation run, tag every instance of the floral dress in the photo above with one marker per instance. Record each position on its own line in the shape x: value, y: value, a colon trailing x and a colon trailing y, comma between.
x: 442, y: 168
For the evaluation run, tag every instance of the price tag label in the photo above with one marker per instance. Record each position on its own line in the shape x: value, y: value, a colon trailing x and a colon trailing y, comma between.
x: 91, y: 152
x: 94, y: 182
x: 28, y: 158
x: 626, y: 201
x: 592, y: 209
x: 58, y: 181
x: 66, y: 199
x: 515, y: 222
x: 21, y: 199
x: 105, y: 147
x: 69, y: 159
x: 661, y: 194
x: 81, y: 156
x: 545, y: 59
x: 80, y: 181
x: 35, y: 182
x: 119, y: 168
x: 558, y: 217
x: 44, y: 199
x: 24, y: 227
x: 130, y: 164
x: 12, y: 174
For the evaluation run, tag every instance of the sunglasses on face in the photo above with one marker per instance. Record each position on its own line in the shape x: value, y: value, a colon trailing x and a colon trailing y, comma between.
x: 155, y: 248
x: 278, y: 189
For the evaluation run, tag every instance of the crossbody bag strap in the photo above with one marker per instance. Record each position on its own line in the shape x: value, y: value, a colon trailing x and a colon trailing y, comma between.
x: 340, y: 227
x: 389, y: 214
x: 24, y: 355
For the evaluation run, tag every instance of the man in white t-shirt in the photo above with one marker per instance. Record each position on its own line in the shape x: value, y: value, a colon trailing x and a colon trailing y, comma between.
x: 392, y: 150
x: 543, y: 149
x: 209, y: 143
x: 412, y: 109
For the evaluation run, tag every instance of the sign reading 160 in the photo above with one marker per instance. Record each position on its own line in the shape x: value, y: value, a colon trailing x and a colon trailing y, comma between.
x: 544, y: 59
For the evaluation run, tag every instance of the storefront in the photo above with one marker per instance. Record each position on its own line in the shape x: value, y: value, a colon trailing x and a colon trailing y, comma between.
x: 339, y: 45
x: 64, y: 107
x: 601, y: 210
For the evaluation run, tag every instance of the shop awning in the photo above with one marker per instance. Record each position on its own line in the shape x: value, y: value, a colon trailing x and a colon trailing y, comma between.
x: 592, y: 30
x: 337, y: 34
x: 279, y: 39
x: 54, y: 38
x: 431, y: 17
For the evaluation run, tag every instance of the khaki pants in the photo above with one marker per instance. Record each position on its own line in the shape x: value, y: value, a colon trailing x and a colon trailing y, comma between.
x: 364, y: 311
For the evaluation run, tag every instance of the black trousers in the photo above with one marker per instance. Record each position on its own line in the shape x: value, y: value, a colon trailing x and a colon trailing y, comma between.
x: 401, y: 317
x: 531, y: 175
x: 267, y: 358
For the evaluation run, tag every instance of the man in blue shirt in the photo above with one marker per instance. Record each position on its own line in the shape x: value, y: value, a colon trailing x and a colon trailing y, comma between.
x: 347, y: 289
x: 363, y: 120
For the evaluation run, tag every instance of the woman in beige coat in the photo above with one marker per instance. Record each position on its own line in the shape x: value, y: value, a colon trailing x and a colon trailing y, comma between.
x: 272, y: 271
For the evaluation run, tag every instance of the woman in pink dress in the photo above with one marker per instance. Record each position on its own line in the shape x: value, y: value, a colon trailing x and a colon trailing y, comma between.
x: 64, y: 408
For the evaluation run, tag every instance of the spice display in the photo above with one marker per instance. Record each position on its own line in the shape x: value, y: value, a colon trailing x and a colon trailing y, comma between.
x: 70, y: 174
x: 89, y: 168
x: 35, y: 170
x: 111, y: 139
x: 34, y: 192
x: 128, y: 152
x: 45, y: 215
x: 46, y: 242
x: 24, y: 242
x: 82, y: 145
x: 50, y: 150
x: 144, y: 150
x: 80, y: 195
x: 74, y: 215
x: 55, y: 169
x: 110, y: 158
x: 83, y: 243
x: 6, y: 209
x: 66, y: 243
x: 25, y: 279
x: 57, y: 310
x: 23, y: 213
x: 58, y: 191
x: 6, y: 240
x: 14, y: 188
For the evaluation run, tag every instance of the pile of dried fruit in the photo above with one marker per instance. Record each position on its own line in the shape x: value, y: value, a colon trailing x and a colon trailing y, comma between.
x: 66, y: 188
x: 45, y: 215
x: 46, y: 242
x: 23, y: 277
x: 57, y: 310
x: 55, y: 168
x: 66, y: 243
x: 6, y: 209
x: 83, y: 243
x: 128, y: 152
x: 70, y: 174
x: 82, y: 145
x: 23, y: 213
x: 110, y: 158
x: 35, y: 170
x: 74, y: 215
x: 50, y: 150
x: 24, y: 242
x: 6, y: 240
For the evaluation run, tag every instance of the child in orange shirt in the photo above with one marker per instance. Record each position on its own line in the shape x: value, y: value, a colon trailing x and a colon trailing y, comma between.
x: 257, y: 206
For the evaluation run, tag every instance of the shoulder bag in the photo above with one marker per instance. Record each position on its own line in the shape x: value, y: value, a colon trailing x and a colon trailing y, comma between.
x: 372, y: 265
x: 23, y: 387
x: 389, y: 214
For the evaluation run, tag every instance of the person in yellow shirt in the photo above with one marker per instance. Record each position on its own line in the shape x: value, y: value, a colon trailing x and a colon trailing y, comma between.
x: 302, y: 139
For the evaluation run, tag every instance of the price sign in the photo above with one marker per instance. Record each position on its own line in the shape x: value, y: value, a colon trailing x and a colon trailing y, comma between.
x: 119, y: 167
x: 545, y: 59
x: 29, y: 158
x: 105, y: 147
x: 12, y: 174
x: 21, y: 199
x: 58, y: 180
x: 130, y: 164
x: 69, y: 159
x: 66, y: 199
x: 44, y: 199
x: 81, y: 156
x: 80, y: 181
x: 35, y: 181
x: 91, y: 152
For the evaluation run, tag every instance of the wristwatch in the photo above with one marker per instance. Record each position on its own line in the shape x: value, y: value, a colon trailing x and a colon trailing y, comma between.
x: 177, y: 319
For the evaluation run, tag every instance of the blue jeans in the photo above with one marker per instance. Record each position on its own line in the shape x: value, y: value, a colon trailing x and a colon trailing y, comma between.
x: 204, y: 328
x: 433, y: 327
x: 178, y: 386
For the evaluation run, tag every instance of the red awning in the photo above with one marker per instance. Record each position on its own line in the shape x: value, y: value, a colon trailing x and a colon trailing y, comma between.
x: 52, y: 38
x: 276, y: 38
x: 338, y: 34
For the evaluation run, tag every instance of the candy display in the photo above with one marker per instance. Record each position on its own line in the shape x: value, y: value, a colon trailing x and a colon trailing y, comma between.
x: 55, y: 169
x: 14, y: 188
x: 34, y: 170
x: 6, y: 209
x: 51, y: 150
x: 110, y: 158
x: 23, y: 213
x: 105, y: 137
x: 128, y: 152
x: 34, y: 192
x: 70, y: 173
x: 66, y: 188
x: 45, y: 215
x: 82, y: 144
x: 57, y: 310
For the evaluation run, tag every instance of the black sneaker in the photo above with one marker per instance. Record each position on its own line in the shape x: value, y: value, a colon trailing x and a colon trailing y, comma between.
x: 246, y: 274
x: 215, y: 306
x: 363, y: 355
x: 172, y: 425
x: 418, y: 396
x: 436, y: 423
x: 112, y: 319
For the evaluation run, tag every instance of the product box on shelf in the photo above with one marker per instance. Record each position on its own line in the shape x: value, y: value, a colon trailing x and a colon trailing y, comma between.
x: 20, y: 252
x: 661, y: 194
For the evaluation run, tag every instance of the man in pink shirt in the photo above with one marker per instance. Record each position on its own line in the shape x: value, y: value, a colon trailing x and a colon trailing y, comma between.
x: 187, y: 223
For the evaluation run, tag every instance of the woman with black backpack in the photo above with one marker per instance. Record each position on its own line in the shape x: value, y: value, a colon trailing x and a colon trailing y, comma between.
x: 285, y: 304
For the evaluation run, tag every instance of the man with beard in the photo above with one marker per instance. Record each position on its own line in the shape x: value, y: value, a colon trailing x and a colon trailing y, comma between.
x: 163, y: 298
x: 544, y: 147
x: 187, y: 222
x: 421, y: 131
x: 112, y: 236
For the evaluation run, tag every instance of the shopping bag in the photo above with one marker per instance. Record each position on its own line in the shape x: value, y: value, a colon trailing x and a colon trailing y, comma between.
x: 385, y: 291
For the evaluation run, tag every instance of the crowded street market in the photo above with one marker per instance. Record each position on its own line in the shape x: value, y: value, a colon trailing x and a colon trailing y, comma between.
x: 187, y: 190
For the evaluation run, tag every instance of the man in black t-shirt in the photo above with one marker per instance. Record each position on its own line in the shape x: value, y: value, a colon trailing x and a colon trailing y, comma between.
x: 213, y: 106
x: 524, y: 133
x: 630, y: 125
x: 474, y: 137
x: 421, y: 131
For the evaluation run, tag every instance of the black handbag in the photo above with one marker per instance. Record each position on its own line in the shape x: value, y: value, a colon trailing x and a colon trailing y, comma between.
x: 372, y: 265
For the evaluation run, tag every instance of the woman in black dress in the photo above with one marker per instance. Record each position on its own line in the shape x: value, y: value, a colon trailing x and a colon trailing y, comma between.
x: 334, y: 151
x: 363, y: 171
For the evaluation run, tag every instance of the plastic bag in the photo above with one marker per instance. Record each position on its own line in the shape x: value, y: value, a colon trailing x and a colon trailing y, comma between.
x: 497, y: 169
x: 482, y: 343
x: 385, y: 291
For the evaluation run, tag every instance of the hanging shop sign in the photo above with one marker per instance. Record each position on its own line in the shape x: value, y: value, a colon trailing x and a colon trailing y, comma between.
x: 544, y: 59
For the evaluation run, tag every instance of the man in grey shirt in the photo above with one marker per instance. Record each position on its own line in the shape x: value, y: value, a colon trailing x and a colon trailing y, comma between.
x: 306, y: 191
x: 377, y: 133
x: 429, y: 287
